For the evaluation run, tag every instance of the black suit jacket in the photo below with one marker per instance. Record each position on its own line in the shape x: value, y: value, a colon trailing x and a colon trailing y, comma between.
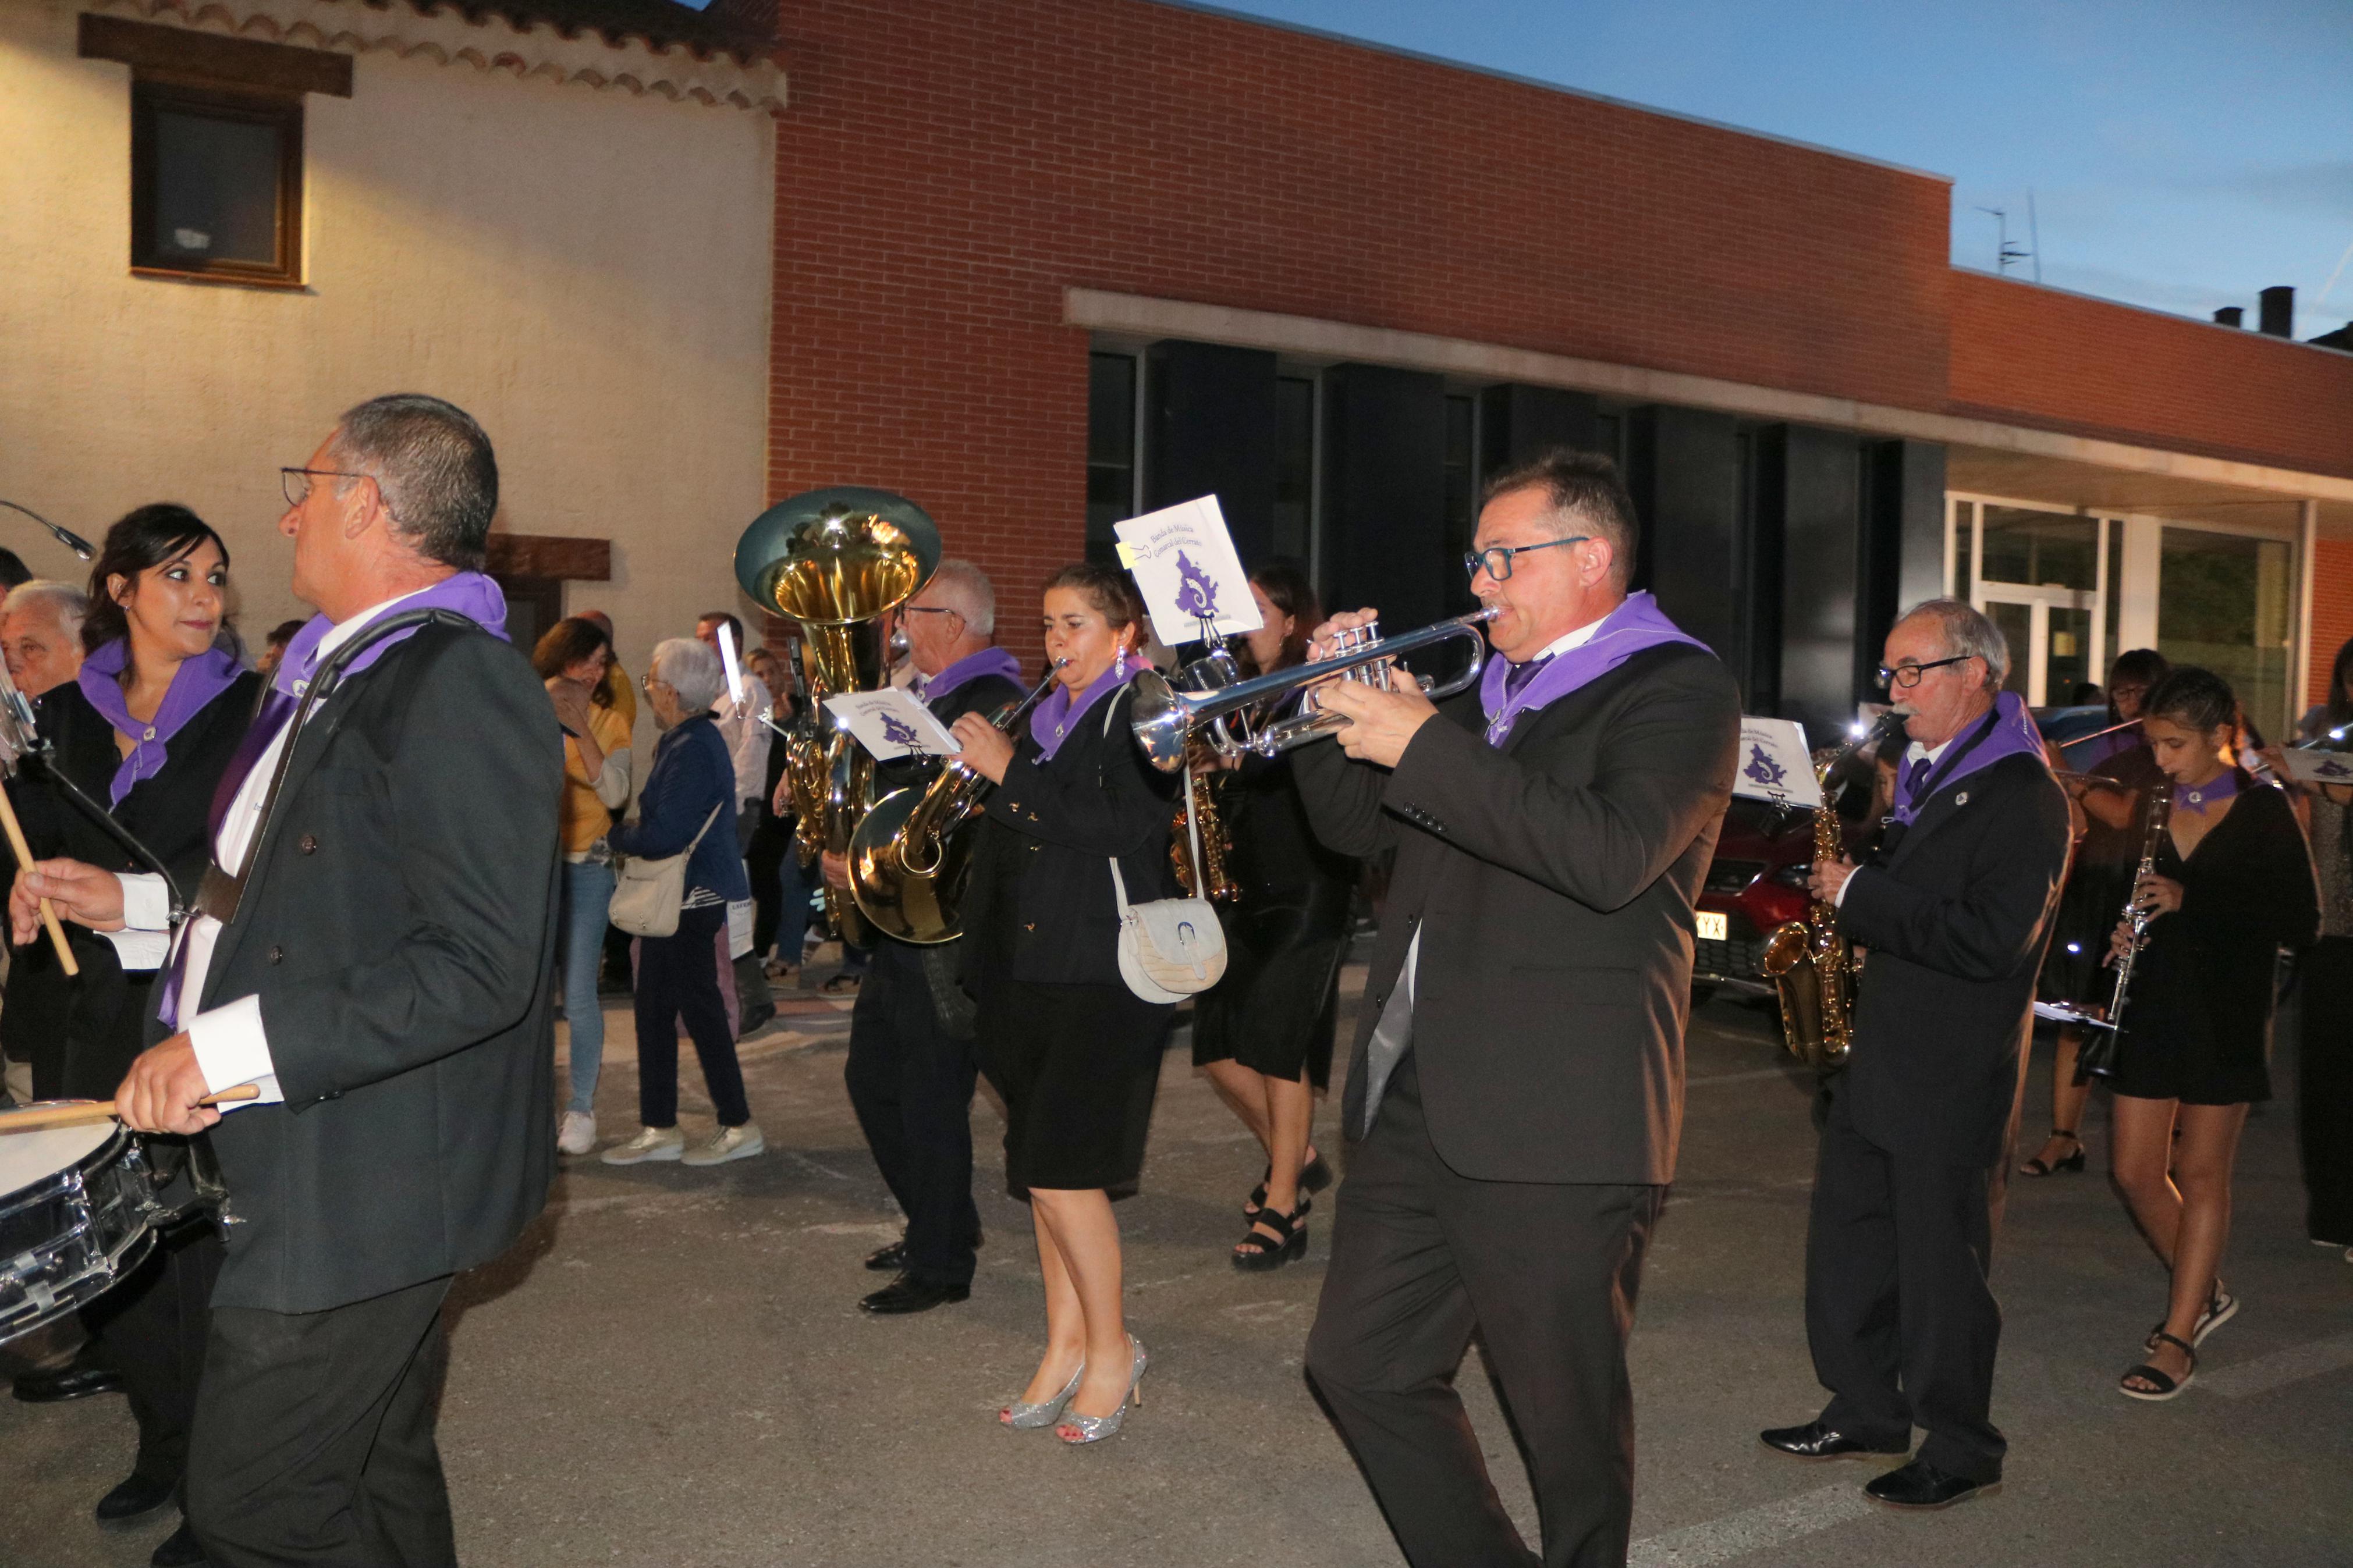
x: 1040, y: 906
x: 1553, y: 883
x: 104, y: 1022
x: 1956, y: 919
x: 398, y: 927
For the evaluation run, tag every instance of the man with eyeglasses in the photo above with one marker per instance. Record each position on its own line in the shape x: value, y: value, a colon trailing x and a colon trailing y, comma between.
x: 1517, y: 1088
x: 911, y: 1066
x: 1955, y: 909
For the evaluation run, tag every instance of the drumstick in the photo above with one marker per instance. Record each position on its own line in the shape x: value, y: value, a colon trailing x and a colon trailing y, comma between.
x: 85, y: 1112
x: 25, y: 859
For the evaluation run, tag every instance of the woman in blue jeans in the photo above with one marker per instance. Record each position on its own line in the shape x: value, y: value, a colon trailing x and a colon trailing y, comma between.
x: 687, y: 806
x: 572, y: 658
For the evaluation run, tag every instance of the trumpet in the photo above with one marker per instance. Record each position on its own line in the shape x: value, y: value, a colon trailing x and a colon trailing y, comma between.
x: 1166, y: 720
x: 908, y: 862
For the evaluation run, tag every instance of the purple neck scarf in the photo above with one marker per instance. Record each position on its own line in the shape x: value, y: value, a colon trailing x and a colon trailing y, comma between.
x: 967, y: 669
x: 1052, y: 721
x: 2007, y: 732
x: 1624, y: 632
x: 196, y: 682
x: 470, y: 594
x: 2215, y: 791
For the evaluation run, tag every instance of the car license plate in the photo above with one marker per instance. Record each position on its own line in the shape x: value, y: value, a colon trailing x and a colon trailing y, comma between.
x: 1712, y: 927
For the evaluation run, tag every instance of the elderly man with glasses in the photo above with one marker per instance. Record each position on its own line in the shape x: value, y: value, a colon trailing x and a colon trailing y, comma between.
x: 1955, y: 908
x: 1518, y: 1084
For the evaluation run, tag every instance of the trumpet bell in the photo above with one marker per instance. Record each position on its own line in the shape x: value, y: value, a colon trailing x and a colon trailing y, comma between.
x: 1161, y: 717
x: 838, y: 555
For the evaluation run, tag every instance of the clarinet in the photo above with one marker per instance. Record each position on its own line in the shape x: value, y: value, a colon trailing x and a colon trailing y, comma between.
x: 2097, y: 1055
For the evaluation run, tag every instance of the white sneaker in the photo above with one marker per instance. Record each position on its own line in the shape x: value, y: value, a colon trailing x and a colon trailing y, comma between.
x: 650, y: 1143
x: 576, y: 1133
x: 729, y: 1143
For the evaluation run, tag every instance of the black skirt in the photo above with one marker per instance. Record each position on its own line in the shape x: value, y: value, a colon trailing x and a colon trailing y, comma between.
x: 1077, y: 1066
x: 1277, y: 1008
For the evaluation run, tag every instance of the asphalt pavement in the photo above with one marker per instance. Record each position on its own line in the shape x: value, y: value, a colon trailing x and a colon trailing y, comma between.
x: 670, y: 1371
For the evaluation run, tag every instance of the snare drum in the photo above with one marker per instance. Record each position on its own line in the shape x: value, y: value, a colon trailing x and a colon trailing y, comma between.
x: 78, y: 1212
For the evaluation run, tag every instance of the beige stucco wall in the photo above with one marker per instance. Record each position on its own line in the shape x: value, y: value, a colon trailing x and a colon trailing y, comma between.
x: 585, y: 271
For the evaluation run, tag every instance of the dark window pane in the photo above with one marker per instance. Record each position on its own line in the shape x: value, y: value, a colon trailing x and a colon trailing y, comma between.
x: 1461, y: 506
x: 1110, y: 448
x: 2223, y: 602
x: 1294, y: 465
x: 2039, y: 549
x: 217, y: 185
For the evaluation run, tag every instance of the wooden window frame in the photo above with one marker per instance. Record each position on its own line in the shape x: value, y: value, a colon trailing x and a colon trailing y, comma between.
x: 282, y: 111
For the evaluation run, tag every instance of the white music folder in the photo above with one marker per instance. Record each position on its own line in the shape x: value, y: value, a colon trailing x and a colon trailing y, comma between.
x: 890, y: 724
x: 1775, y: 765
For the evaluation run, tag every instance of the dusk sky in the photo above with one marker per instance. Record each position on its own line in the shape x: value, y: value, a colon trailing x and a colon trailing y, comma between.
x: 2182, y: 154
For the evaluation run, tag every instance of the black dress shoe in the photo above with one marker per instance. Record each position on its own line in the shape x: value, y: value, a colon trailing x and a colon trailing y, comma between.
x: 1922, y: 1485
x: 181, y: 1549
x: 73, y: 1381
x: 1816, y: 1441
x: 889, y: 1259
x: 136, y: 1497
x: 909, y: 1294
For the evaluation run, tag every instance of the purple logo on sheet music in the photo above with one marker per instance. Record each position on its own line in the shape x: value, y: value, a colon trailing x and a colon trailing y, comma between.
x: 1763, y: 769
x: 1196, y: 594
x: 898, y: 732
x: 2334, y: 769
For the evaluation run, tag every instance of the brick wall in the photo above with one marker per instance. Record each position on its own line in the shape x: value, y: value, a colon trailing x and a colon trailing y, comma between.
x: 946, y: 168
x: 2332, y: 610
x: 2060, y: 361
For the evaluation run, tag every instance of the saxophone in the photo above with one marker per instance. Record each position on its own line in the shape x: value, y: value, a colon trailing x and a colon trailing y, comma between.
x: 1812, y: 967
x: 1217, y: 885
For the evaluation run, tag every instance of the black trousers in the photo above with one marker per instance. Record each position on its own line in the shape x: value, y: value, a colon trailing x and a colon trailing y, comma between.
x: 912, y: 1085
x: 151, y: 1329
x: 1901, y: 1319
x: 1546, y: 1276
x: 313, y: 1440
x: 2324, y: 1103
x: 677, y: 978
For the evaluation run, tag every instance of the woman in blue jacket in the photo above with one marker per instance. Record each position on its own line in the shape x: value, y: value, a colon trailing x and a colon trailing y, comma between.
x: 689, y: 800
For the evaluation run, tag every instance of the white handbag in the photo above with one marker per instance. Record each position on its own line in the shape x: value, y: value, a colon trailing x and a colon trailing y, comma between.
x: 647, y: 894
x: 1170, y: 948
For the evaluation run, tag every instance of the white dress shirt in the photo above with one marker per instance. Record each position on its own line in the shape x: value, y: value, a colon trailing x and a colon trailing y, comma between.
x: 746, y: 737
x: 231, y: 1044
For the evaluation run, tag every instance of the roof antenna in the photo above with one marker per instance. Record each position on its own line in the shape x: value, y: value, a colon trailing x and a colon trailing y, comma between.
x: 2004, y: 253
x: 2034, y: 234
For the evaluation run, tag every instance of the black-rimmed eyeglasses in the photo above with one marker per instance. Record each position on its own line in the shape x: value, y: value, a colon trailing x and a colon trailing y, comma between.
x: 296, y: 482
x: 1907, y: 676
x: 1498, y: 559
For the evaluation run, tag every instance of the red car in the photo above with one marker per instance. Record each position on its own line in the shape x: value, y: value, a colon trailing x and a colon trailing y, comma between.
x: 1757, y: 882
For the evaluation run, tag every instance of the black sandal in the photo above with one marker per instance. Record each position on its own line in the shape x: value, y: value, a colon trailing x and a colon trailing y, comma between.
x: 2165, y: 1385
x: 1257, y: 1252
x: 2073, y: 1163
x: 1313, y: 1177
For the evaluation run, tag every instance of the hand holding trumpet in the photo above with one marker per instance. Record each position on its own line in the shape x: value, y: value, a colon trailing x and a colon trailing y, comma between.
x: 1381, y: 723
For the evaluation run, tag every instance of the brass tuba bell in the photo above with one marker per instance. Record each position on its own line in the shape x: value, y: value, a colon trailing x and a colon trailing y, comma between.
x: 837, y: 561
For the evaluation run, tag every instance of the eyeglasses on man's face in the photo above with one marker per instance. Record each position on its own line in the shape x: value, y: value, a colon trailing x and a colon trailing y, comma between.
x: 296, y: 482
x: 1907, y: 676
x: 1498, y: 559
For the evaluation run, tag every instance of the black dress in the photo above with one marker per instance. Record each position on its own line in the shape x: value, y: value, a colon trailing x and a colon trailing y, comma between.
x: 1073, y: 1051
x: 2198, y: 1023
x: 2074, y: 968
x: 1277, y: 1008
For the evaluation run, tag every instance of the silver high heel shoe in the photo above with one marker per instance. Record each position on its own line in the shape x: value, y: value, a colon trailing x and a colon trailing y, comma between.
x: 1024, y: 1417
x: 1096, y: 1429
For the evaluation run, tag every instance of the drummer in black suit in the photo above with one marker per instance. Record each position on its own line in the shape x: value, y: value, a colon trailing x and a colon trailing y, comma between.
x: 911, y: 1065
x: 147, y: 731
x: 1955, y: 909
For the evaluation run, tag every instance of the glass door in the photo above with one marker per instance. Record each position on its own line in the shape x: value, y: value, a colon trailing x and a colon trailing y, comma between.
x: 2042, y: 577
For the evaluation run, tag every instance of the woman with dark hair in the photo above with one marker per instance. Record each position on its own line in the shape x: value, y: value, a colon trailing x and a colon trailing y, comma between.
x: 2115, y: 771
x: 1073, y: 1051
x: 572, y: 657
x: 1263, y: 1034
x: 2334, y: 712
x: 146, y: 730
x: 2232, y: 885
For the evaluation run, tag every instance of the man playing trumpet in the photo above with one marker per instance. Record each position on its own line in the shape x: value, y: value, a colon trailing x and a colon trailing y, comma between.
x: 1518, y: 1085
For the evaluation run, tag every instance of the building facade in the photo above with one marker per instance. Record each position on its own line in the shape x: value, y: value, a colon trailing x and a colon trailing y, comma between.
x: 1043, y: 264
